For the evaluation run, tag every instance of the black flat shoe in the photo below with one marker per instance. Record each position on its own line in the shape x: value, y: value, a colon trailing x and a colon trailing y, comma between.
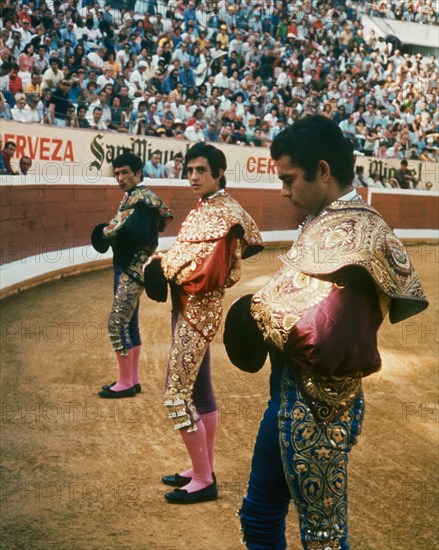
x: 180, y: 481
x: 111, y: 394
x: 137, y: 387
x: 176, y: 480
x: 181, y: 496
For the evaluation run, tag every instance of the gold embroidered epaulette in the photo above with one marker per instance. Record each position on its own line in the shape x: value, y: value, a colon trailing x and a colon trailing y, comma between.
x: 213, y: 218
x: 353, y: 233
x: 144, y: 195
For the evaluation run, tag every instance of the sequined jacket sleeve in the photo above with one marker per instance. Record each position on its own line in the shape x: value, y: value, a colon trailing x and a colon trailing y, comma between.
x: 341, y: 277
x: 133, y: 232
x: 338, y: 336
x: 138, y: 234
x: 213, y: 239
x: 212, y: 272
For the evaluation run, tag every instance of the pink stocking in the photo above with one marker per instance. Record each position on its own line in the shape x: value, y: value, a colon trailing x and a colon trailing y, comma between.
x: 196, y: 445
x: 136, y: 364
x: 125, y: 375
x: 210, y: 421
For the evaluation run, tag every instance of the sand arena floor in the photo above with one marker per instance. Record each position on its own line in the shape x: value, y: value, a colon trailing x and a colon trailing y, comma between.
x: 79, y: 472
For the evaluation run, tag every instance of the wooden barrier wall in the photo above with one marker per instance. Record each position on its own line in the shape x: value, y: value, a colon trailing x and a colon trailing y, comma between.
x: 38, y: 218
x: 39, y: 221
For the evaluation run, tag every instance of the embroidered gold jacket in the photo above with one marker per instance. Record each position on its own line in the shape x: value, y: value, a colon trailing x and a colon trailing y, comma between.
x: 133, y: 232
x: 205, y: 258
x: 324, y: 306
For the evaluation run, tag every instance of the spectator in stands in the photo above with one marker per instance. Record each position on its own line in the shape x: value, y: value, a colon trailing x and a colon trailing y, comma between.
x: 239, y: 136
x: 72, y: 118
x: 15, y: 44
x: 15, y: 84
x: 347, y: 126
x: 53, y: 75
x: 119, y: 119
x: 359, y: 179
x: 41, y: 59
x: 186, y: 75
x: 222, y: 37
x: 174, y: 168
x: 170, y: 82
x: 105, y: 78
x: 374, y: 180
x: 24, y: 165
x: 165, y: 129
x: 59, y: 104
x: 153, y: 168
x: 152, y: 116
x: 211, y: 132
x: 102, y: 103
x: 179, y: 128
x: 33, y: 86
x: 19, y: 112
x: 342, y: 72
x: 7, y: 154
x: 96, y: 59
x: 97, y: 122
x: 404, y: 178
x: 81, y: 113
x: 26, y: 63
x: 256, y: 139
x: 139, y: 79
x: 194, y: 133
x: 35, y: 108
x: 5, y: 110
x: 44, y: 106
x: 68, y: 33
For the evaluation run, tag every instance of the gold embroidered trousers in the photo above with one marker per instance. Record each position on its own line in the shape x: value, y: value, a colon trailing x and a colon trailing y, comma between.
x: 195, y: 328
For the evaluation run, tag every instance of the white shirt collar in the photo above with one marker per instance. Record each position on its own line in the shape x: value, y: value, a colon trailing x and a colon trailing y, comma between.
x: 350, y: 196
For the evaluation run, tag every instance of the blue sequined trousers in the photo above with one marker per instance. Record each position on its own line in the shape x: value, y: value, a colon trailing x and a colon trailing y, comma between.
x: 297, y: 458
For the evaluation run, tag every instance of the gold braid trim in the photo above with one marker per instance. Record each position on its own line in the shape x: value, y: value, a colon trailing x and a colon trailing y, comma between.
x: 183, y: 258
x: 126, y: 208
x: 213, y: 218
x: 353, y: 233
x: 328, y: 545
x: 205, y: 225
x: 187, y: 351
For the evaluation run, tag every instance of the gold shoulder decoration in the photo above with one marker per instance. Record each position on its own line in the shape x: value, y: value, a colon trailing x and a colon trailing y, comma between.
x: 205, y: 225
x: 147, y: 197
x: 214, y: 218
x: 353, y: 233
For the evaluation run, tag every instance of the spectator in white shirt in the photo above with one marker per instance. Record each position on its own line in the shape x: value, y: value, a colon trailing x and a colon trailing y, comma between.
x: 123, y: 55
x: 101, y: 102
x: 194, y: 133
x: 138, y: 77
x: 347, y: 126
x: 20, y: 113
x: 26, y: 35
x: 53, y: 75
x: 96, y: 59
x: 298, y: 92
x: 34, y: 111
x: 374, y: 181
x: 221, y: 79
x: 96, y: 121
x: 181, y: 54
x: 105, y: 78
x: 174, y: 168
